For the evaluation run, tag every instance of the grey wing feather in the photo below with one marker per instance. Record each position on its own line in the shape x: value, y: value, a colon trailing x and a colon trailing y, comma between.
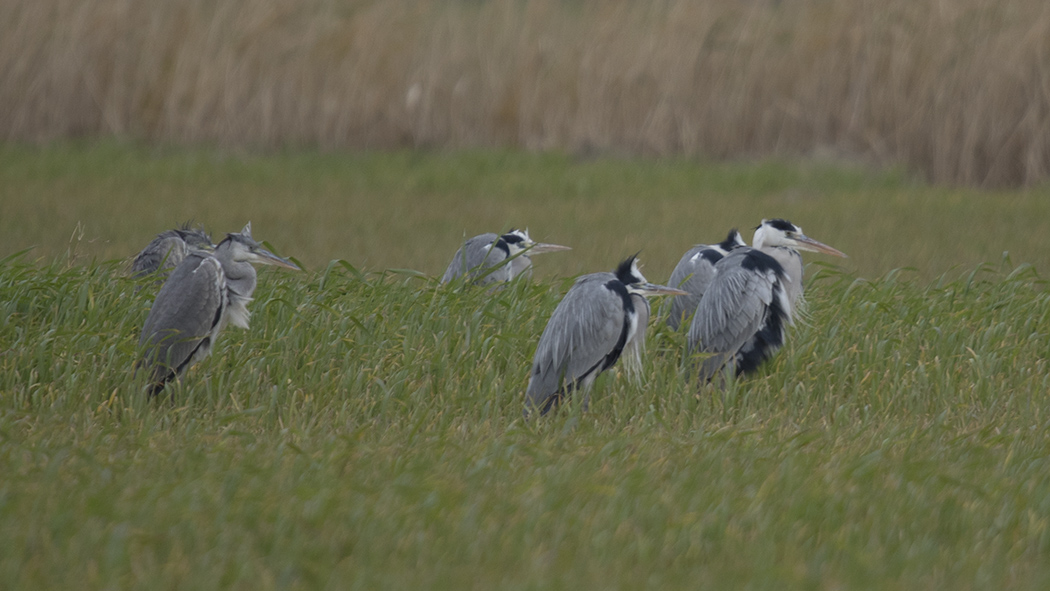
x: 488, y: 256
x: 165, y: 251
x: 583, y: 330
x: 476, y: 255
x: 186, y: 311
x: 693, y: 274
x: 730, y: 313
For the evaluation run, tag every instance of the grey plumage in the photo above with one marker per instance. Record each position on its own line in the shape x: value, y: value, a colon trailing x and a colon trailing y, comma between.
x: 602, y: 317
x: 742, y: 318
x: 168, y: 249
x: 492, y: 258
x: 745, y: 299
x: 204, y: 293
x: 693, y: 273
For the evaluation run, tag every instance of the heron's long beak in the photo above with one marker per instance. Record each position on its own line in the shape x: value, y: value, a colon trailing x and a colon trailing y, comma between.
x: 265, y: 257
x: 807, y: 243
x: 540, y: 248
x: 652, y: 289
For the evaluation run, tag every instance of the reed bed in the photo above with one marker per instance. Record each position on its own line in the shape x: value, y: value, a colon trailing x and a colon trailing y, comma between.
x: 958, y: 92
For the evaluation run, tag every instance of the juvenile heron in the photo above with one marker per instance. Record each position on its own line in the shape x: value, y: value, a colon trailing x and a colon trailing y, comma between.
x: 167, y: 250
x: 484, y: 258
x: 204, y: 293
x: 602, y: 316
x: 743, y: 315
x: 694, y: 272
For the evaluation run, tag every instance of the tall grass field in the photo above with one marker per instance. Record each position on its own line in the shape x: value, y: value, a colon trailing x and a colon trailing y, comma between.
x: 367, y: 431
x: 957, y: 91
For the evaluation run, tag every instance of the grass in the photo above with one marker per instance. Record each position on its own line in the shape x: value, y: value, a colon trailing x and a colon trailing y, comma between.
x: 366, y: 431
x: 413, y: 209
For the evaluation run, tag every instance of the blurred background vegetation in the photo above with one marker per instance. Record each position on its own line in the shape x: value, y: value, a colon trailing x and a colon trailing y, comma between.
x: 955, y: 92
x: 413, y: 209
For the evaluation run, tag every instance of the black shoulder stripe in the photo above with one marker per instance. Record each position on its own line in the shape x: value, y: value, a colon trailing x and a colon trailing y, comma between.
x: 756, y: 260
x: 621, y: 342
x: 710, y: 255
x: 512, y: 238
x: 618, y: 288
x: 628, y: 308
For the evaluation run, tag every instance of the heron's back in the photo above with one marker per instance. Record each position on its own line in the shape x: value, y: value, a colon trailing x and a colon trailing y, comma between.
x: 473, y: 258
x: 187, y: 310
x: 748, y: 287
x: 583, y: 337
x: 163, y: 253
x: 693, y: 273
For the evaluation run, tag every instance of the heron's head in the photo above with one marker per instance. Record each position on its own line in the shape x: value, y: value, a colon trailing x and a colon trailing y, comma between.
x: 733, y: 240
x: 627, y: 272
x: 243, y: 248
x: 778, y: 232
x: 518, y: 241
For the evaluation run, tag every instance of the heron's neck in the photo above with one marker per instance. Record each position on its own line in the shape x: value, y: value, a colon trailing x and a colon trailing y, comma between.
x: 520, y: 265
x: 791, y: 261
x: 240, y: 278
x: 240, y: 275
x: 501, y: 244
x: 241, y: 281
x: 240, y: 284
x: 759, y: 241
x: 785, y: 255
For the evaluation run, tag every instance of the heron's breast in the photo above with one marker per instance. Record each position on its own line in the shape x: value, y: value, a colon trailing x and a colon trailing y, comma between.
x: 237, y: 310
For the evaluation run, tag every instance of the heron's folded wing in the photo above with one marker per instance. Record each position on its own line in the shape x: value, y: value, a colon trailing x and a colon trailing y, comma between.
x: 186, y: 310
x: 732, y: 310
x: 583, y: 330
x: 482, y: 256
x: 470, y: 257
x: 164, y: 251
x: 693, y: 273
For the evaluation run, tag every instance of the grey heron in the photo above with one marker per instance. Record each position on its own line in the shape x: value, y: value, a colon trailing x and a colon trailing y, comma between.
x: 204, y: 293
x: 694, y: 272
x: 167, y: 250
x: 742, y: 318
x: 603, y: 316
x: 490, y: 258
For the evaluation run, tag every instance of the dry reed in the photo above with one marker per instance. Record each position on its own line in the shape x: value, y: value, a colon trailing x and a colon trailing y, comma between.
x: 957, y: 91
